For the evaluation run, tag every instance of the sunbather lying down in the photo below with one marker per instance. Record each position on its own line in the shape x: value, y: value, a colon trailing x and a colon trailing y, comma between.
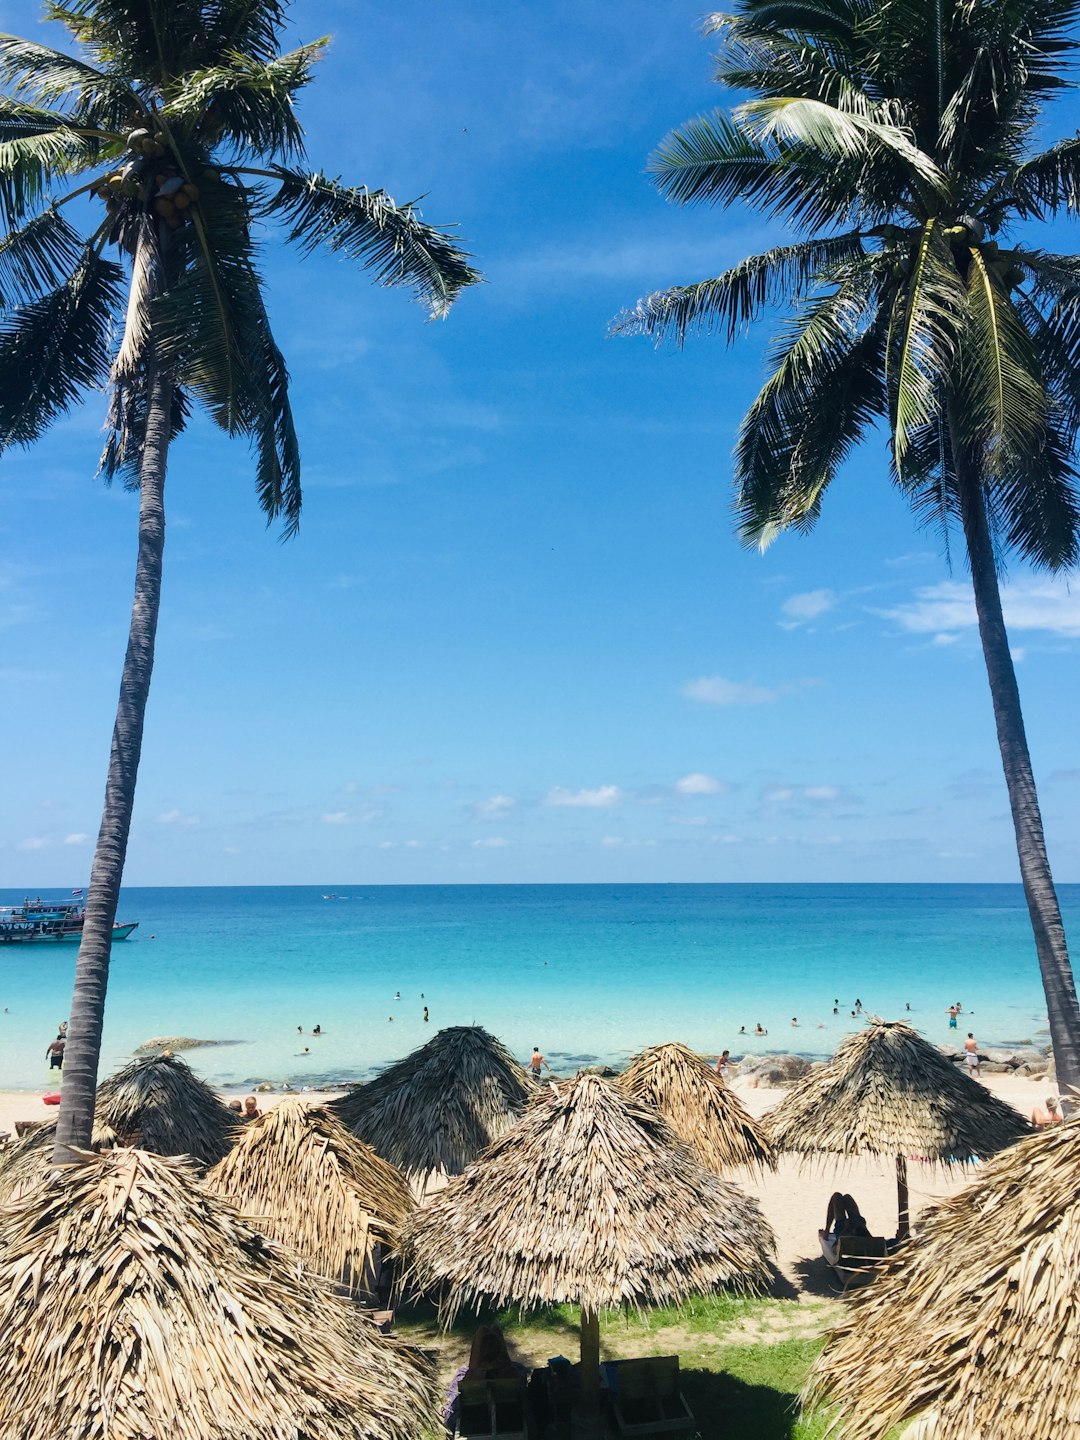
x: 844, y: 1217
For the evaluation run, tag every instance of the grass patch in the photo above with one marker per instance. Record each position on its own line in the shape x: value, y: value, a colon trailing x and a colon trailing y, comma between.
x: 743, y: 1359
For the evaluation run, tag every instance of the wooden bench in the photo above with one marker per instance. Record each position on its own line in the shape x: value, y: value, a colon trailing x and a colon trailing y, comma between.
x: 645, y: 1397
x: 853, y: 1259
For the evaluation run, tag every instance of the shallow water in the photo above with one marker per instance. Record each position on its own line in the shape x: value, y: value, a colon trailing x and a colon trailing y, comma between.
x: 587, y: 972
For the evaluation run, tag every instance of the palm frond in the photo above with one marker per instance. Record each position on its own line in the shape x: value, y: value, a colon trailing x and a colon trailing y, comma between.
x: 49, y: 77
x: 825, y: 391
x: 144, y: 285
x: 247, y: 102
x: 732, y: 301
x: 923, y: 337
x: 36, y: 148
x: 712, y: 160
x: 838, y: 134
x: 268, y: 420
x: 37, y: 257
x: 1035, y: 508
x: 1005, y: 404
x: 1045, y: 183
x: 56, y: 348
x: 367, y: 226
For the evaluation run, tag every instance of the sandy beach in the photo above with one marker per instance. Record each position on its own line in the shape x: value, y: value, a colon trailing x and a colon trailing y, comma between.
x: 794, y: 1199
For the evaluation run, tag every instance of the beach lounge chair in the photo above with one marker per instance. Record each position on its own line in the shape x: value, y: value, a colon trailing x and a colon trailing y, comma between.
x: 853, y: 1259
x: 645, y: 1397
x: 491, y: 1410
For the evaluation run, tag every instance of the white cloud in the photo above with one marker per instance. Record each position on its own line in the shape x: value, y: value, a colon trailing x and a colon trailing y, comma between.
x: 715, y: 690
x: 494, y: 806
x: 601, y: 798
x: 413, y: 844
x: 821, y: 792
x: 621, y: 842
x: 698, y: 783
x: 692, y: 821
x: 177, y: 817
x: 490, y: 842
x: 78, y: 838
x: 32, y: 842
x: 809, y: 605
x: 1030, y: 604
x: 345, y: 817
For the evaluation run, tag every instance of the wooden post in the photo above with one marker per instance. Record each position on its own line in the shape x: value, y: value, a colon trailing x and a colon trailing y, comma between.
x: 903, y: 1228
x: 590, y: 1357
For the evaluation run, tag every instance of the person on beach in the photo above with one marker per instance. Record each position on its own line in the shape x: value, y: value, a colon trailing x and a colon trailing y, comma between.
x: 251, y: 1108
x: 489, y: 1359
x: 759, y: 1029
x: 537, y: 1062
x: 317, y: 1030
x: 61, y: 1033
x: 425, y: 1015
x: 843, y: 1217
x: 971, y: 1054
x: 236, y: 1107
x: 794, y: 1020
x: 858, y: 1006
x: 952, y: 1012
x: 1046, y: 1114
x: 724, y: 1062
x: 55, y: 1053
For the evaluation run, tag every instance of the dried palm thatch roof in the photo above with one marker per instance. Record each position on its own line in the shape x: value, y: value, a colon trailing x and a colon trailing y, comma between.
x: 158, y: 1103
x: 440, y: 1106
x: 300, y: 1177
x: 136, y: 1306
x: 887, y: 1091
x: 700, y: 1109
x: 975, y: 1328
x: 23, y: 1163
x: 588, y: 1199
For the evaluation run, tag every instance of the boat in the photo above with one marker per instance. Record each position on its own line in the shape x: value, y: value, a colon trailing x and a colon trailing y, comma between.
x: 50, y: 922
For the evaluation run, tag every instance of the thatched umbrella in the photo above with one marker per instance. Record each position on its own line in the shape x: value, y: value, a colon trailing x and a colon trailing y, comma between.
x: 889, y: 1092
x: 975, y: 1329
x: 590, y: 1200
x: 300, y: 1177
x: 160, y: 1104
x: 134, y: 1305
x: 440, y: 1106
x: 699, y: 1107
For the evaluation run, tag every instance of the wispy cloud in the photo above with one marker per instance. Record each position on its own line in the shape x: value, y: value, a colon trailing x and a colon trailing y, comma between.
x: 620, y: 842
x: 799, y: 610
x: 335, y: 817
x: 716, y: 690
x: 177, y: 817
x: 33, y: 842
x: 698, y: 783
x: 601, y: 798
x: 947, y: 609
x: 491, y: 842
x: 494, y: 806
x: 77, y: 838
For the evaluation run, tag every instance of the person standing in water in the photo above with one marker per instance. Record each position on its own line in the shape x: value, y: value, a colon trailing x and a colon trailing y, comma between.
x: 425, y: 1015
x: 537, y: 1062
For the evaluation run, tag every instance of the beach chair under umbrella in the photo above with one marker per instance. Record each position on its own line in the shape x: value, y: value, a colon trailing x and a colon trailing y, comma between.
x: 135, y: 1305
x: 433, y: 1112
x: 300, y: 1177
x: 588, y: 1200
x: 699, y: 1107
x: 888, y: 1092
x: 974, y: 1333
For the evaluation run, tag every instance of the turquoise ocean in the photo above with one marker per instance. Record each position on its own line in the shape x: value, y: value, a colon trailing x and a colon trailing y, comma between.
x: 590, y: 973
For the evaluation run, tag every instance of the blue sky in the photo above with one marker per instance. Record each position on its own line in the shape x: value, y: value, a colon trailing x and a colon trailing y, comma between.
x: 516, y: 639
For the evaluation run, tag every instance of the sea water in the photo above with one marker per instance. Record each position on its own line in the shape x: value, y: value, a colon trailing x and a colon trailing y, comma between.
x: 589, y: 973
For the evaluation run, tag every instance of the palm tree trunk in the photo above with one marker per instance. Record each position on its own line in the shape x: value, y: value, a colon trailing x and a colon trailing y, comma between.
x: 76, y: 1119
x: 1042, y: 901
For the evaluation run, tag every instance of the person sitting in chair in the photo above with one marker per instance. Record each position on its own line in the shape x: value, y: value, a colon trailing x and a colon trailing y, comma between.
x: 489, y: 1359
x: 844, y: 1217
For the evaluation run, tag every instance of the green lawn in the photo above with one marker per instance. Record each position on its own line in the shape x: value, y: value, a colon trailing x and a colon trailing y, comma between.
x: 743, y: 1361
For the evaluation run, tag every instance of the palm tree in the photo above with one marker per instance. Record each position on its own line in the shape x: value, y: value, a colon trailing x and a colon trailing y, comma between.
x: 898, y: 138
x: 174, y: 128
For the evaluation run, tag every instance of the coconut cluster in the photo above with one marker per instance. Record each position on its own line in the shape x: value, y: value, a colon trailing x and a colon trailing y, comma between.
x: 151, y: 179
